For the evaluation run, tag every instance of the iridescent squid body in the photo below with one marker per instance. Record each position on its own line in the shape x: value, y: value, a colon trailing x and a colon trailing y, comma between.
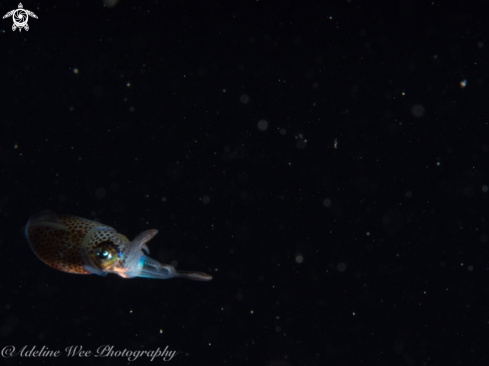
x: 75, y: 245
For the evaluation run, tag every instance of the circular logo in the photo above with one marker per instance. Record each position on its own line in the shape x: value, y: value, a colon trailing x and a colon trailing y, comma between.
x: 20, y: 18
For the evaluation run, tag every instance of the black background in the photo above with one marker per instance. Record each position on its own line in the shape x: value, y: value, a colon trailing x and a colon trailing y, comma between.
x: 146, y: 115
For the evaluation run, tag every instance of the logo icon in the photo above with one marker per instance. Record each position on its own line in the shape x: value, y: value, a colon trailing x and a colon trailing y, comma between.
x: 20, y: 17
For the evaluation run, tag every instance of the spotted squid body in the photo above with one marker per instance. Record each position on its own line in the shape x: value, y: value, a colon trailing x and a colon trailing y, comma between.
x: 75, y: 245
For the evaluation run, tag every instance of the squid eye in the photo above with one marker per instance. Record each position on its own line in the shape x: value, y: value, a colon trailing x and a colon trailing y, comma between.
x: 105, y: 255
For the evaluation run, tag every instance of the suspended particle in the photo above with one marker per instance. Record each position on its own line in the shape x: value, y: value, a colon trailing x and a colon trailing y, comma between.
x: 245, y: 99
x: 262, y: 124
x: 417, y: 110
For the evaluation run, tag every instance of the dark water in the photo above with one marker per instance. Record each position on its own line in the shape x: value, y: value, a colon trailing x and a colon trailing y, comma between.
x: 326, y: 164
